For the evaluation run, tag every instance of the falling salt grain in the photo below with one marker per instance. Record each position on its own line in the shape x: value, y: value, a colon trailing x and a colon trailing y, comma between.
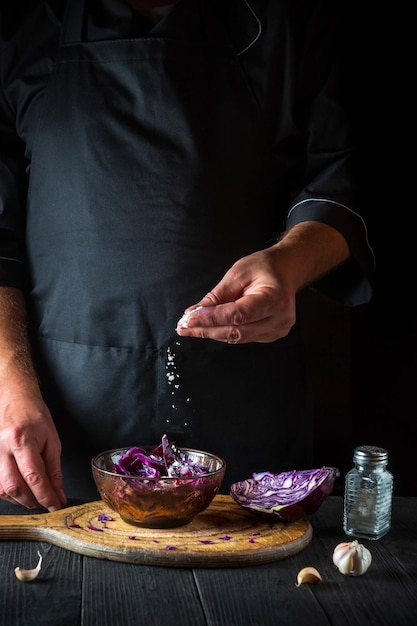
x: 173, y: 377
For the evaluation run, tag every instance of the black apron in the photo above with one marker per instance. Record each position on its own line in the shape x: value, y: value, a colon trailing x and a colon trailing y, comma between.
x: 149, y: 178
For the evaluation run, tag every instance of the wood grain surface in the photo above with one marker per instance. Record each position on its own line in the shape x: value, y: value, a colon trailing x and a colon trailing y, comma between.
x: 224, y: 535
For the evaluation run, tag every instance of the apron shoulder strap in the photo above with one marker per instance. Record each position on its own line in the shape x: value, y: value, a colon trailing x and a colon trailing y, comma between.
x: 72, y: 30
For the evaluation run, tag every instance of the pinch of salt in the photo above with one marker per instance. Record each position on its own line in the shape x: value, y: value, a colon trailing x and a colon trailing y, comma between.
x: 183, y: 322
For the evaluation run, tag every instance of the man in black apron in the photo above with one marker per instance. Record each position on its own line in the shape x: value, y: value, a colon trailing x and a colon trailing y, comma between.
x: 153, y: 153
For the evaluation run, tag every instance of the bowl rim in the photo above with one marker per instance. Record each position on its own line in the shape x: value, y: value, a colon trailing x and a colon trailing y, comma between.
x: 159, y: 478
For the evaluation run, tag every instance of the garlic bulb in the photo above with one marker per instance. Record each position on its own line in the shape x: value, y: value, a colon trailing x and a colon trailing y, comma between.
x: 352, y: 558
x: 27, y: 575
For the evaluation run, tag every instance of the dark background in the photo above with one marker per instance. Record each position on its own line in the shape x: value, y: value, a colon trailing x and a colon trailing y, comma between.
x: 363, y: 361
x: 364, y: 370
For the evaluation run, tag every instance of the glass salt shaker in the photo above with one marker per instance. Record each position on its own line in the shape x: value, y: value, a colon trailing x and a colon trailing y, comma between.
x: 368, y: 494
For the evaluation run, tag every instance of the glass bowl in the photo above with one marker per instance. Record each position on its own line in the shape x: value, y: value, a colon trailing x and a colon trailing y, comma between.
x: 165, y: 502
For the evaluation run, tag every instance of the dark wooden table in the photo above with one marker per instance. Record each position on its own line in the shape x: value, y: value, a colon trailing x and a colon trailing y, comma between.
x: 73, y: 589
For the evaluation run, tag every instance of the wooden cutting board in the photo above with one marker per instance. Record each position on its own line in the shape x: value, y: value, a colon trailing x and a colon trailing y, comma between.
x: 224, y: 535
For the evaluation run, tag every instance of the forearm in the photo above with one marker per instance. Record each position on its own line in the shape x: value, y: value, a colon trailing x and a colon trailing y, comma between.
x: 308, y: 251
x: 15, y: 355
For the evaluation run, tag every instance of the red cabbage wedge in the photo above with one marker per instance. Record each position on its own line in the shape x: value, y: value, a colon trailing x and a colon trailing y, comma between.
x: 289, y: 496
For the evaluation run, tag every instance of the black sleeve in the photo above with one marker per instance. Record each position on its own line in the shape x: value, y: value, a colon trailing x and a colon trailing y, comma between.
x: 299, y: 72
x: 13, y: 186
x: 26, y: 31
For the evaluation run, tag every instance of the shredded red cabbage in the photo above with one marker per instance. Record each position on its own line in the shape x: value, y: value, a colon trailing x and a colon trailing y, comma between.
x: 289, y: 495
x: 165, y: 460
x: 91, y: 527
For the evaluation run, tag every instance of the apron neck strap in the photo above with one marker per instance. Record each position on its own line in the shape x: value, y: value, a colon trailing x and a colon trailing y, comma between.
x: 72, y: 30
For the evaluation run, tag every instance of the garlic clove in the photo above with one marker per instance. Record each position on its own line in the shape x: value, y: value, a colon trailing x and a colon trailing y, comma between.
x: 27, y: 575
x: 308, y: 575
x: 352, y: 558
